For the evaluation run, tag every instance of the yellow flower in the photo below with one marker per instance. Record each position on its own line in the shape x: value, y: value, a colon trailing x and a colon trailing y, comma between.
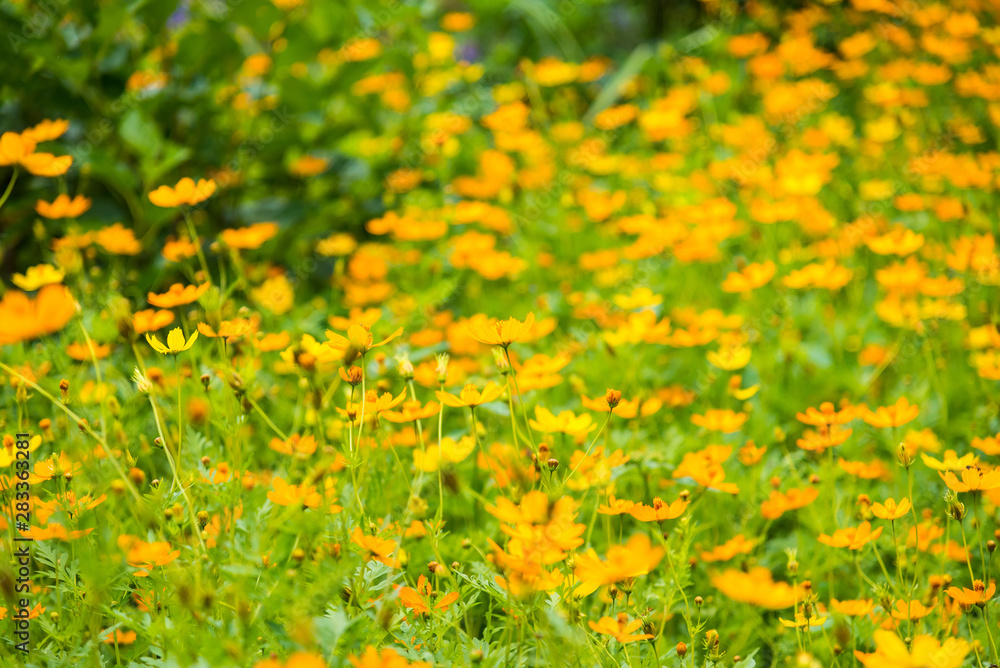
x: 359, y: 340
x: 621, y: 629
x: 37, y: 276
x: 950, y: 462
x: 175, y: 342
x: 502, y: 332
x: 185, y: 192
x: 275, y: 294
x: 729, y: 358
x: 470, y: 396
x: 800, y: 621
x: 891, y: 510
x: 891, y: 652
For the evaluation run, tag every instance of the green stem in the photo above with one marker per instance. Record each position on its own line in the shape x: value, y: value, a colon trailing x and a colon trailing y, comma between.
x: 587, y: 454
x: 10, y: 186
x: 83, y: 425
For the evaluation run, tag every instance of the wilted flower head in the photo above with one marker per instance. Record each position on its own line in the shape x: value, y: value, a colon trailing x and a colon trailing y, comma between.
x: 141, y: 382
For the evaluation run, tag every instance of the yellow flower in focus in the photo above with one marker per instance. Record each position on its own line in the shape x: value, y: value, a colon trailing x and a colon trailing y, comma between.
x: 502, y: 332
x: 175, y: 342
x: 890, y: 510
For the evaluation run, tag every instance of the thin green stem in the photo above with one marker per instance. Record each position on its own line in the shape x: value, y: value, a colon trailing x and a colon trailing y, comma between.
x: 10, y: 186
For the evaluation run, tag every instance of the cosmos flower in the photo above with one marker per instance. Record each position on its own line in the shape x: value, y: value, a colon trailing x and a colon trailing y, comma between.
x: 620, y: 628
x: 175, y: 342
x: 185, y: 192
x: 502, y: 332
x: 470, y: 396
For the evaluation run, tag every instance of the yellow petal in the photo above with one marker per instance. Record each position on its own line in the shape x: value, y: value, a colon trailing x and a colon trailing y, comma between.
x: 175, y: 340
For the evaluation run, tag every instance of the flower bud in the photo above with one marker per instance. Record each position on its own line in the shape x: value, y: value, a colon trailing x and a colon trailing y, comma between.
x: 442, y: 367
x: 405, y: 367
x: 613, y: 397
x: 903, y: 456
x: 503, y: 366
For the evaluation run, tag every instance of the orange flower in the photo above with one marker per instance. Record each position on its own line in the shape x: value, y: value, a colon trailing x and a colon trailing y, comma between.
x: 374, y: 405
x: 853, y: 538
x: 974, y: 479
x: 412, y: 410
x: 872, y: 470
x: 738, y: 544
x: 308, y: 165
x: 978, y: 595
x: 725, y: 420
x: 150, y: 320
x: 826, y: 416
x: 421, y: 599
x: 185, y: 192
x: 359, y: 341
x: 118, y: 240
x: 470, y: 396
x: 19, y: 149
x: 659, y: 511
x: 615, y: 506
x: 705, y: 468
x: 501, y: 332
x: 635, y: 558
x: 565, y: 423
x: 148, y: 555
x: 912, y: 610
x: 892, y: 652
x: 178, y: 250
x: 297, y: 660
x: 373, y: 547
x: 890, y: 510
x: 230, y: 330
x: 300, y: 446
x: 620, y: 629
x: 15, y: 147
x: 177, y: 295
x: 82, y: 352
x: 752, y: 276
x: 118, y: 637
x: 388, y: 659
x: 854, y: 608
x: 826, y: 437
x: 25, y: 318
x: 47, y: 130
x: 284, y: 494
x: 751, y: 453
x: 63, y: 207
x: 756, y: 588
x: 890, y: 416
x: 778, y: 504
x: 250, y: 237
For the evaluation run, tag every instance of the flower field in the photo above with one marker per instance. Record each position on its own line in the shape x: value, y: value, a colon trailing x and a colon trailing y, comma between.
x: 499, y: 334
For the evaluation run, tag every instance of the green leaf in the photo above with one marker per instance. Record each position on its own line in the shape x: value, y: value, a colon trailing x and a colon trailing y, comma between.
x: 140, y: 134
x: 612, y: 90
